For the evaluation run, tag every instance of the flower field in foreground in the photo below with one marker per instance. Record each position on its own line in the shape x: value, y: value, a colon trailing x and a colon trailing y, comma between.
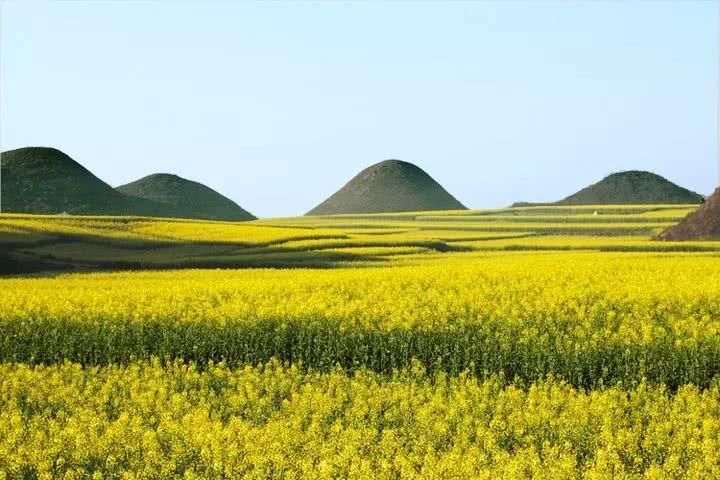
x: 528, y: 343
x: 150, y: 420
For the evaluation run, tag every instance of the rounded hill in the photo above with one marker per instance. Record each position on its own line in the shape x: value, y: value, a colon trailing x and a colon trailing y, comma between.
x: 389, y: 186
x: 47, y: 181
x: 185, y: 198
x: 633, y: 187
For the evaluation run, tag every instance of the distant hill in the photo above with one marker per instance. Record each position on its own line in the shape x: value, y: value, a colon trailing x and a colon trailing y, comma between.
x: 633, y: 187
x: 389, y: 186
x: 702, y: 224
x: 185, y: 198
x: 47, y: 181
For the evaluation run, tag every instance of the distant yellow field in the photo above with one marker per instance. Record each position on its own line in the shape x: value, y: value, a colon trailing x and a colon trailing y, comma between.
x: 62, y: 242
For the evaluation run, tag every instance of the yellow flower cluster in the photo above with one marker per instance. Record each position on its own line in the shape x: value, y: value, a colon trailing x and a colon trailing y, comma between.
x: 149, y: 420
x: 590, y: 318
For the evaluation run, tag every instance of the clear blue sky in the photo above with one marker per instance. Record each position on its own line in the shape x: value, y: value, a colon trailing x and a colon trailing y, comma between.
x: 276, y: 105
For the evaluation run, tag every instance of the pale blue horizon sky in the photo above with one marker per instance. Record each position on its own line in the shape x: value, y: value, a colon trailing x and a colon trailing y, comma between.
x: 277, y: 105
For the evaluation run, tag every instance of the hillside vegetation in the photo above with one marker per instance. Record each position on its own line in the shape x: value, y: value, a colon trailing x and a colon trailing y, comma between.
x: 628, y: 188
x: 632, y: 188
x: 42, y: 180
x: 389, y: 186
x: 185, y: 198
x: 45, y: 180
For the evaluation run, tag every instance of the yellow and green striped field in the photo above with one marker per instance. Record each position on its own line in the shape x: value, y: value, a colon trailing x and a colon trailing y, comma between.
x: 65, y: 242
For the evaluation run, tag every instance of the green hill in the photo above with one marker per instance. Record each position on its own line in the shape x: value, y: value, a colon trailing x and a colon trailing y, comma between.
x: 47, y: 181
x: 632, y: 188
x: 389, y: 186
x: 185, y: 198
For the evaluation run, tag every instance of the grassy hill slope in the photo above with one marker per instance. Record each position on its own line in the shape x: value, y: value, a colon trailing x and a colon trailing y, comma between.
x: 185, y: 198
x: 389, y: 186
x: 632, y: 188
x: 47, y: 181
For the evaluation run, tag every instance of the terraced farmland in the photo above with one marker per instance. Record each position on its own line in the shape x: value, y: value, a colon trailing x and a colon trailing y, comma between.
x: 90, y: 243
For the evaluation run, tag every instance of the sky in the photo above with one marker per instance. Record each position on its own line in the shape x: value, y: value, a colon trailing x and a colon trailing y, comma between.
x: 277, y: 104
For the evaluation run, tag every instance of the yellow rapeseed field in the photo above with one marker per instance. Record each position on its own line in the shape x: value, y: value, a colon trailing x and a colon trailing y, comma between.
x: 155, y: 420
x: 588, y: 317
x: 539, y: 342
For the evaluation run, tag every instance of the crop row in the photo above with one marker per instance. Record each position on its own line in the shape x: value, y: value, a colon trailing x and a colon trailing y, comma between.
x: 150, y: 420
x: 590, y: 319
